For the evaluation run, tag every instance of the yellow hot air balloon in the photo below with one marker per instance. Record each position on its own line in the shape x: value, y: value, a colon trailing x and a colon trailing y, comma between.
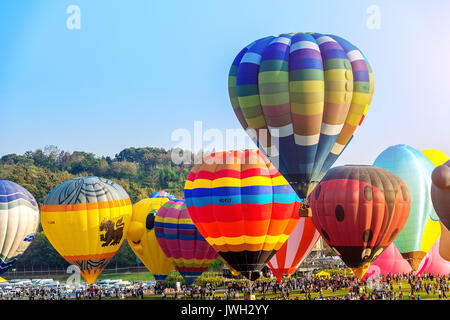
x: 86, y: 220
x: 142, y: 240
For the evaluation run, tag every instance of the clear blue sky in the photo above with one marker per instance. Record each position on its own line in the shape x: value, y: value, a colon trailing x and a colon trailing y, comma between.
x: 137, y: 70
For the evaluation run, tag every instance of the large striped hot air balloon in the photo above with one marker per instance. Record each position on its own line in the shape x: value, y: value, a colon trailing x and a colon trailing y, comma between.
x: 422, y: 227
x: 305, y: 95
x: 86, y: 220
x: 297, y: 247
x: 181, y: 242
x: 19, y: 220
x: 359, y: 211
x: 142, y: 239
x: 440, y: 196
x: 243, y: 207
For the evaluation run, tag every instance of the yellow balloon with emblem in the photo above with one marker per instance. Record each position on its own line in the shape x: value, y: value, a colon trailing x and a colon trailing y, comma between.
x: 142, y: 240
x: 86, y: 220
x: 435, y: 229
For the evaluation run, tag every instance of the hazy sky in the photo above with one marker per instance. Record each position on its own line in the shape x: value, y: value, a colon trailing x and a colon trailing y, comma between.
x: 135, y: 71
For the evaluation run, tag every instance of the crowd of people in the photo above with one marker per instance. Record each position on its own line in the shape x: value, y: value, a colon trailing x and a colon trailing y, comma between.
x: 307, y: 287
x: 387, y: 287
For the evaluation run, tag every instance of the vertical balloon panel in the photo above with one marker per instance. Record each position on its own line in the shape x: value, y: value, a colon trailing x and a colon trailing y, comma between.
x: 359, y: 211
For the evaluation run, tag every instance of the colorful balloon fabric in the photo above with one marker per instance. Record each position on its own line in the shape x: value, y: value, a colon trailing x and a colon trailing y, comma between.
x: 19, y: 220
x: 421, y: 229
x: 243, y: 207
x: 304, y: 95
x: 86, y: 220
x: 162, y: 194
x: 444, y: 240
x: 390, y: 261
x: 142, y: 239
x: 436, y: 157
x: 434, y: 263
x: 230, y: 268
x: 297, y: 247
x: 181, y: 242
x: 359, y: 211
x: 440, y: 195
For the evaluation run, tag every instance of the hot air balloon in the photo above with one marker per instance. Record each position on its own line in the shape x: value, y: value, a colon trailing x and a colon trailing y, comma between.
x: 181, y: 242
x: 419, y: 233
x: 440, y: 196
x: 359, y: 211
x: 162, y: 194
x: 434, y: 262
x: 440, y: 192
x: 19, y: 220
x: 86, y: 220
x: 142, y: 240
x: 390, y: 261
x: 301, y: 97
x: 297, y: 247
x: 243, y: 207
x: 230, y: 268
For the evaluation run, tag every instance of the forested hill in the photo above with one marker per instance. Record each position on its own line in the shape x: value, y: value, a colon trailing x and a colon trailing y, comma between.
x: 140, y: 171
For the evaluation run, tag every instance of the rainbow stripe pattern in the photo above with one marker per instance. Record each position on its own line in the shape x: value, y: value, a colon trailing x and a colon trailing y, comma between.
x: 243, y: 207
x: 181, y: 242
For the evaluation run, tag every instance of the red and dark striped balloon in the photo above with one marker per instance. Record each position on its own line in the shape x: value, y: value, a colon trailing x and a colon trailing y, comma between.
x: 359, y: 211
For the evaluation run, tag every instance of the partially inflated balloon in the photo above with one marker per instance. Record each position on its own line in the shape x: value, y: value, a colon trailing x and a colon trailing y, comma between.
x: 297, y: 247
x: 162, y: 194
x: 242, y: 206
x: 19, y: 219
x: 305, y: 95
x: 389, y: 262
x: 359, y: 210
x: 86, y: 220
x: 413, y: 167
x: 142, y: 240
x: 181, y: 242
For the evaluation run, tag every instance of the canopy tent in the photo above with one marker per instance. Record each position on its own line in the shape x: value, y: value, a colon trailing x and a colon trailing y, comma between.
x: 323, y: 274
